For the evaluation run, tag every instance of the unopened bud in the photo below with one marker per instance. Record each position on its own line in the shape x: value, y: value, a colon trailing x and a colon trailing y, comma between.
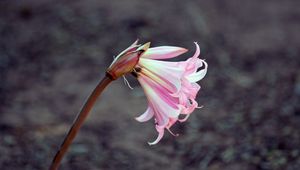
x: 127, y: 60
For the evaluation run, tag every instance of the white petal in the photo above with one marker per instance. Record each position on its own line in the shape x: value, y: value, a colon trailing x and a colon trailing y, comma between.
x: 147, y: 115
x: 163, y: 52
x: 194, y: 77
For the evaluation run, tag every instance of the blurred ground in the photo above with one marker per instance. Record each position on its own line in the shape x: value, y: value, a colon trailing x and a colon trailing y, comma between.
x: 52, y: 53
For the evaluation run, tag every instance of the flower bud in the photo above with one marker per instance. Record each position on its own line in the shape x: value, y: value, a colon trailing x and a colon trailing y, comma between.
x: 126, y: 60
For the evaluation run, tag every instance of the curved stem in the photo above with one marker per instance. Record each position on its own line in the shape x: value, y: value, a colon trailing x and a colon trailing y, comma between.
x: 82, y: 115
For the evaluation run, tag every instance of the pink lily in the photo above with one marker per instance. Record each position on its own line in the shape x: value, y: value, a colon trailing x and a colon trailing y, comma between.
x: 170, y: 87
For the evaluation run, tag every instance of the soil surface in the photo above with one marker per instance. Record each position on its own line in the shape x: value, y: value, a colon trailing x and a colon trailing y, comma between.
x: 53, y: 53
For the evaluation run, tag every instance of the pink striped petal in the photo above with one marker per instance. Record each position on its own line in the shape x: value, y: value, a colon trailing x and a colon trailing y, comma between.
x: 162, y: 73
x: 161, y: 103
x: 163, y: 52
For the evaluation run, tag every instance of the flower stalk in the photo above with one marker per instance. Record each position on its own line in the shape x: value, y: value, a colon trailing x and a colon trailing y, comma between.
x: 82, y: 115
x: 124, y: 63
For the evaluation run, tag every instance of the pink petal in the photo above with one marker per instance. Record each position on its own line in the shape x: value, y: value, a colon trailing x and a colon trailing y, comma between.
x: 147, y: 115
x: 193, y: 63
x: 159, y: 102
x: 172, y: 121
x: 162, y: 73
x: 197, y: 53
x: 197, y: 76
x: 189, y: 88
x: 163, y: 52
x: 161, y: 132
x: 189, y: 108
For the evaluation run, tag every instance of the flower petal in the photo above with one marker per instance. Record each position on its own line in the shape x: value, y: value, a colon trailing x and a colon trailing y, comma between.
x: 147, y: 115
x: 194, y: 77
x: 161, y: 132
x: 162, y: 73
x: 163, y: 52
x: 161, y: 103
x: 197, y: 53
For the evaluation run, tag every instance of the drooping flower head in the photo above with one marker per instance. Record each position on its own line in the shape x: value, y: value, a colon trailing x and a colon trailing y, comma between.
x: 170, y: 87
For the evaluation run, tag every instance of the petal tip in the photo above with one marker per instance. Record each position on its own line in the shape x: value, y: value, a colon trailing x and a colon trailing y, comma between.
x: 135, y: 42
x: 137, y: 119
x: 183, y: 50
x: 151, y: 143
x: 144, y: 47
x: 197, y: 45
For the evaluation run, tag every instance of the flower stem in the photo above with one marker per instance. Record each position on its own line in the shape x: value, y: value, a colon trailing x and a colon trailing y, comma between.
x: 82, y: 115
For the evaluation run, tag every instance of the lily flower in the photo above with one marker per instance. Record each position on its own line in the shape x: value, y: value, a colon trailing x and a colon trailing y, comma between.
x: 170, y: 87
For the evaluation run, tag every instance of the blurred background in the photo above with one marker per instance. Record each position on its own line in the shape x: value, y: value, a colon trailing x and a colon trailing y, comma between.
x: 53, y: 53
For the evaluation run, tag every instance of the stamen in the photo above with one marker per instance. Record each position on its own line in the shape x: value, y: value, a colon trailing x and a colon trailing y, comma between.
x: 172, y: 132
x: 127, y: 82
x: 199, y: 107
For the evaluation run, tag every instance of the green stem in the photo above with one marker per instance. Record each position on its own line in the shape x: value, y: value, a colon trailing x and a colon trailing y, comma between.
x: 79, y: 121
